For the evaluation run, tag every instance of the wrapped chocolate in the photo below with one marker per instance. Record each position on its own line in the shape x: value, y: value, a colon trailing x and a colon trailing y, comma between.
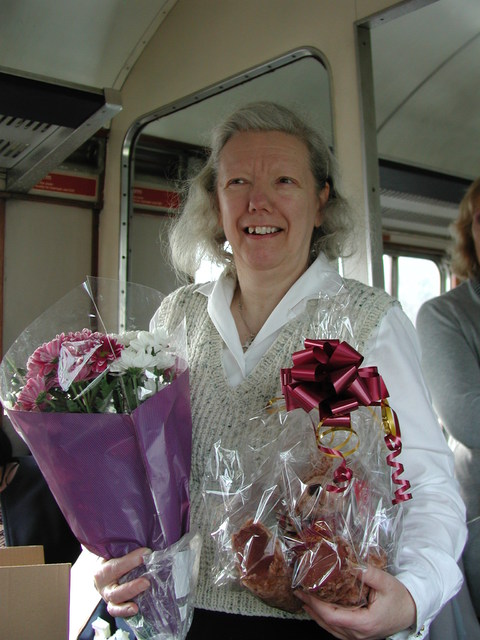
x: 321, y: 498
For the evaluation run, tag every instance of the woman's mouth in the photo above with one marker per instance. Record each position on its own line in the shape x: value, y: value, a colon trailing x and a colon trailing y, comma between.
x: 261, y: 231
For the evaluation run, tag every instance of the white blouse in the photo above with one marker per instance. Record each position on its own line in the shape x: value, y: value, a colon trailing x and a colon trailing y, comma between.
x: 434, y: 530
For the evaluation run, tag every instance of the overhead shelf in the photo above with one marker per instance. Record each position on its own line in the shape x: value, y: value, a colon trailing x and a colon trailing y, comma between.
x: 42, y: 123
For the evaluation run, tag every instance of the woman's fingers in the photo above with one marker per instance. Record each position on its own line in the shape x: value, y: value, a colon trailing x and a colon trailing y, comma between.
x: 329, y: 616
x: 111, y: 571
x: 390, y: 608
x: 119, y: 596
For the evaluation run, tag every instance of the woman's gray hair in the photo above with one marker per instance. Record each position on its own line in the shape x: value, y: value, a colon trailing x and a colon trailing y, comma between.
x: 196, y: 232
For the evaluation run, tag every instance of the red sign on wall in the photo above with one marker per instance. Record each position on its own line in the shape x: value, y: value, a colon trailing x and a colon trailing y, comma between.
x: 69, y: 185
x: 149, y: 197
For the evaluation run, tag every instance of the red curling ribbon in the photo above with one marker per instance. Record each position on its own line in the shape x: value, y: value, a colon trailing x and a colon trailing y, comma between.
x: 342, y: 474
x: 394, y: 444
x: 326, y: 375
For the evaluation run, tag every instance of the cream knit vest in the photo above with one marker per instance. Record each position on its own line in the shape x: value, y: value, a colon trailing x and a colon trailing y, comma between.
x: 220, y: 412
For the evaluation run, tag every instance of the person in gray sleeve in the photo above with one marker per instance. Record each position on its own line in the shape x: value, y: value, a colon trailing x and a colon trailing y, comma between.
x: 449, y: 330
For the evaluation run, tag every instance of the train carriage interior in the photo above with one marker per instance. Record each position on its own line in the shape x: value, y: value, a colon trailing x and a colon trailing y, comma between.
x: 105, y: 109
x: 62, y: 75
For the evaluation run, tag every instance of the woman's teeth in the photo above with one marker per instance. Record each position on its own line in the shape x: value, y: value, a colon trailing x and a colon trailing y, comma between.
x: 262, y: 230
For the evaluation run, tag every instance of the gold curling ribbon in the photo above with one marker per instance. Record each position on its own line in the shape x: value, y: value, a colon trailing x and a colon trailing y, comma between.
x: 330, y: 431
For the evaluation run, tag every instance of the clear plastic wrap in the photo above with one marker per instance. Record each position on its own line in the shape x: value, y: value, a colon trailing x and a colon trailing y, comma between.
x: 315, y: 503
x: 173, y: 574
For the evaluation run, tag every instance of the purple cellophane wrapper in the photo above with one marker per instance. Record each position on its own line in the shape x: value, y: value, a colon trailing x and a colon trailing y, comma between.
x: 121, y: 480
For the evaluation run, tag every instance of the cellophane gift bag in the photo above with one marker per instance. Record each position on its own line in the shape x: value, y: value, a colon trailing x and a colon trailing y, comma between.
x: 103, y: 404
x: 314, y: 494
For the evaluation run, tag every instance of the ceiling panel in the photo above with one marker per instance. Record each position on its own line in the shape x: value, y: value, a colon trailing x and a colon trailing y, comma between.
x: 427, y: 87
x: 88, y: 42
x: 425, y: 64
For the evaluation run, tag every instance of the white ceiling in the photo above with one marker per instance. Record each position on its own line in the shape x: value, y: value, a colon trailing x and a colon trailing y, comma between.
x: 427, y: 87
x: 88, y: 42
x: 426, y: 69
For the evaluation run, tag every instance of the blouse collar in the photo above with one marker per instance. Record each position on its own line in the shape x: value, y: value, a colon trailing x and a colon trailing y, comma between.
x: 320, y: 276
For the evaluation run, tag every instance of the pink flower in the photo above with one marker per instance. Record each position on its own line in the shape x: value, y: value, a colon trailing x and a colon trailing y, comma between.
x: 44, y: 360
x: 61, y: 374
x: 81, y: 336
x: 34, y: 395
x: 108, y: 351
x: 85, y: 355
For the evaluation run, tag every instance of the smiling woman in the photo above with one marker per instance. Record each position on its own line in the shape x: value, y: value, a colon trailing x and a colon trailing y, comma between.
x: 305, y: 166
x: 267, y: 204
x: 268, y: 170
x: 268, y: 213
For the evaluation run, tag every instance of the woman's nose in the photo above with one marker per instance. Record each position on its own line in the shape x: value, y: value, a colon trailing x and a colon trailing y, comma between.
x: 259, y: 198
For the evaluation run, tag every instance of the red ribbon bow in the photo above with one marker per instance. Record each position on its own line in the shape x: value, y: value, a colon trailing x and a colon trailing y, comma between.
x: 326, y: 375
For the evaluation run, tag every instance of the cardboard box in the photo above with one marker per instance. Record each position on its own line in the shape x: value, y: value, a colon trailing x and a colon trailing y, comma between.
x: 34, y: 597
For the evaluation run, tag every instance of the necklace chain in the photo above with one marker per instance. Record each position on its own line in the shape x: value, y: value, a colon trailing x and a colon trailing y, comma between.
x: 253, y: 334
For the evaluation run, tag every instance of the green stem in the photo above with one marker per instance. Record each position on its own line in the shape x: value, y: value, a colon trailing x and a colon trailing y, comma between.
x: 82, y: 398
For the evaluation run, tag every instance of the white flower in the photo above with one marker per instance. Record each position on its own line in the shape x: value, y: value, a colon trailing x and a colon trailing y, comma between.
x: 125, y: 338
x: 131, y: 359
x: 150, y: 386
x: 146, y: 350
x: 156, y: 340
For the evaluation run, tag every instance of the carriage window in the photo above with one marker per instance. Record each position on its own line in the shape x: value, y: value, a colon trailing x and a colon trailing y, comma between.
x: 164, y: 148
x: 208, y: 271
x: 413, y: 280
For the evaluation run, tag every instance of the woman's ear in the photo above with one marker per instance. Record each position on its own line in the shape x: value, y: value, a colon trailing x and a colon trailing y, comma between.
x: 322, y: 201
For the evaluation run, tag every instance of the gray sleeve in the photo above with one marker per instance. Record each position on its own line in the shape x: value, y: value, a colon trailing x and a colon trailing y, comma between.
x: 451, y: 370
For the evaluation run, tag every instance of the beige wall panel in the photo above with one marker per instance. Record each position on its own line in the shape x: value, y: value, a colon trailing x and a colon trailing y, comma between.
x: 148, y: 256
x: 47, y: 253
x: 182, y: 58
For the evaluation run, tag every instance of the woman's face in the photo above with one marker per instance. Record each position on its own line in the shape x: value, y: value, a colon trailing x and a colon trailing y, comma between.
x: 476, y: 227
x: 268, y: 202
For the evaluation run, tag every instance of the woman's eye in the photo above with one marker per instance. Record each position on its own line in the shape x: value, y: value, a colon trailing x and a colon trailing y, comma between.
x: 233, y: 181
x: 286, y: 180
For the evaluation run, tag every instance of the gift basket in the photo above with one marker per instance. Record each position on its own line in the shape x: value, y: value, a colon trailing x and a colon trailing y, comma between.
x: 103, y: 404
x: 321, y: 497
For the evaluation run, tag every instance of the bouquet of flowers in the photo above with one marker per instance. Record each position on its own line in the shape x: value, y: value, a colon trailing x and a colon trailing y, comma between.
x: 103, y: 405
x: 318, y: 496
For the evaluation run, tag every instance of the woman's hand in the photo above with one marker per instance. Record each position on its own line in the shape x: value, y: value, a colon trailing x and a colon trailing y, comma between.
x: 390, y: 609
x: 119, y: 596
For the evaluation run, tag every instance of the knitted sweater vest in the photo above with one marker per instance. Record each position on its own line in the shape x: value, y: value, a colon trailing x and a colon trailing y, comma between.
x: 221, y: 413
